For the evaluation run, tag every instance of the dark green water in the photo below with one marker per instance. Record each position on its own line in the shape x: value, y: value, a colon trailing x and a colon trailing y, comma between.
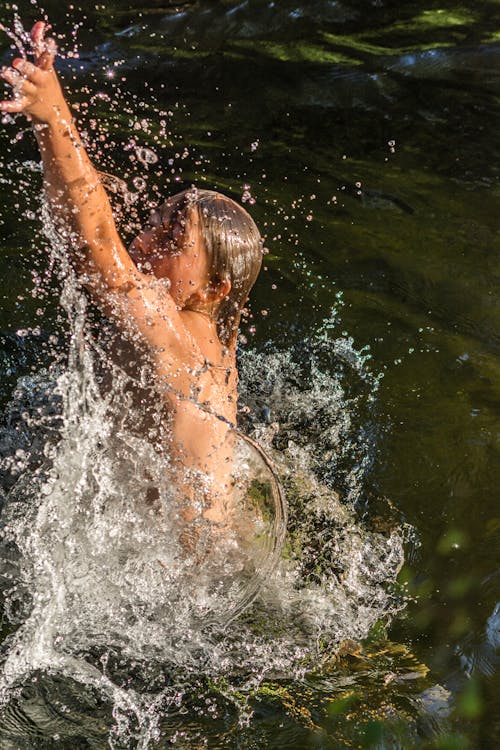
x: 375, y: 175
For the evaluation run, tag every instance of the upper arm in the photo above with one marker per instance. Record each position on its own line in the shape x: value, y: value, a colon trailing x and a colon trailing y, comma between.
x: 141, y: 305
x: 147, y: 308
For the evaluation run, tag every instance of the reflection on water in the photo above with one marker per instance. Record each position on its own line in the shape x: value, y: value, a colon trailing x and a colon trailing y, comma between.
x: 366, y: 135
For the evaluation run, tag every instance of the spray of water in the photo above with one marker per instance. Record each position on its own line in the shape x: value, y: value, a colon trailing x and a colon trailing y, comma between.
x: 95, y: 580
x: 99, y: 590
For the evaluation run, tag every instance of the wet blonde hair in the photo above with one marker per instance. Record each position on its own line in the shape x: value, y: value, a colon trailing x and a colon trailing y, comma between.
x: 233, y: 244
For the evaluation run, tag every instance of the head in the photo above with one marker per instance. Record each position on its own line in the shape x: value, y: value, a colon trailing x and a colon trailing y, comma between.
x: 210, y: 250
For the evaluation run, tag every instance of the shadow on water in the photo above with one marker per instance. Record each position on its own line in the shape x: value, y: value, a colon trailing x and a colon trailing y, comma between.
x: 366, y: 133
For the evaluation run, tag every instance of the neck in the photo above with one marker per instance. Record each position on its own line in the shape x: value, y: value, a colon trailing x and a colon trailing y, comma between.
x: 201, y: 313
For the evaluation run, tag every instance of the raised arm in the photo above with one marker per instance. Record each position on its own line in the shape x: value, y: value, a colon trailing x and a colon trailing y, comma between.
x: 80, y: 205
x: 78, y: 201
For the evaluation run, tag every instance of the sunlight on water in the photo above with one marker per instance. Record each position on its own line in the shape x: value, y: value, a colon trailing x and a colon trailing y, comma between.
x: 93, y: 572
x: 100, y: 589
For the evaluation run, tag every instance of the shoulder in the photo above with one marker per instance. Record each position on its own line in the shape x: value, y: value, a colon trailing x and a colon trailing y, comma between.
x: 203, y: 331
x: 143, y: 305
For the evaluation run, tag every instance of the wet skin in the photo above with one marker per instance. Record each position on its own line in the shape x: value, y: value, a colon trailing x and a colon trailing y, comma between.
x: 174, y: 321
x: 197, y: 396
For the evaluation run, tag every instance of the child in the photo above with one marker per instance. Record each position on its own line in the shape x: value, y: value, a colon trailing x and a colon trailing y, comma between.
x: 178, y: 290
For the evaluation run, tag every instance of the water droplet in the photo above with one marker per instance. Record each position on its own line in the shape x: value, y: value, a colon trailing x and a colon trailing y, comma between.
x: 146, y: 156
x: 139, y: 183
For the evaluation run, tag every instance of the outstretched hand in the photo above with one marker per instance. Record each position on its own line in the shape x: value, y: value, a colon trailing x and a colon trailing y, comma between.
x: 36, y: 89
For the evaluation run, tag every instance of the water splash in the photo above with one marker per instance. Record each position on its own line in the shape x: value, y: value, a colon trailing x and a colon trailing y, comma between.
x: 102, y: 603
x: 98, y: 588
x: 95, y: 580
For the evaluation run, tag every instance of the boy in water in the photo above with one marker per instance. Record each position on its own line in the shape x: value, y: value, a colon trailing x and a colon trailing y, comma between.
x: 179, y: 289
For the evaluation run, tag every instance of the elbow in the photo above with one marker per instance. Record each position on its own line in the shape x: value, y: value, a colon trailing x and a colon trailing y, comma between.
x: 99, y: 268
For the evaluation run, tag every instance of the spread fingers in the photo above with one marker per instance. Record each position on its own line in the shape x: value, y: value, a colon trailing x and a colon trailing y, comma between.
x: 28, y: 71
x: 44, y: 49
x: 45, y: 60
x: 13, y: 105
x: 38, y: 32
x: 38, y: 38
x: 11, y: 76
x: 17, y: 81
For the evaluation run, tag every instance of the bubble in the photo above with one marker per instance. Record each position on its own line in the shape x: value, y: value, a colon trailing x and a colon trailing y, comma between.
x: 146, y: 156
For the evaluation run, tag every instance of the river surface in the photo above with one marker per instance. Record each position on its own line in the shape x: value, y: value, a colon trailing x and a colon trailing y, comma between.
x: 363, y: 138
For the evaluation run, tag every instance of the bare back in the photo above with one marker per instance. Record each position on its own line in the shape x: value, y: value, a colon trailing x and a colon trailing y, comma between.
x: 202, y: 410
